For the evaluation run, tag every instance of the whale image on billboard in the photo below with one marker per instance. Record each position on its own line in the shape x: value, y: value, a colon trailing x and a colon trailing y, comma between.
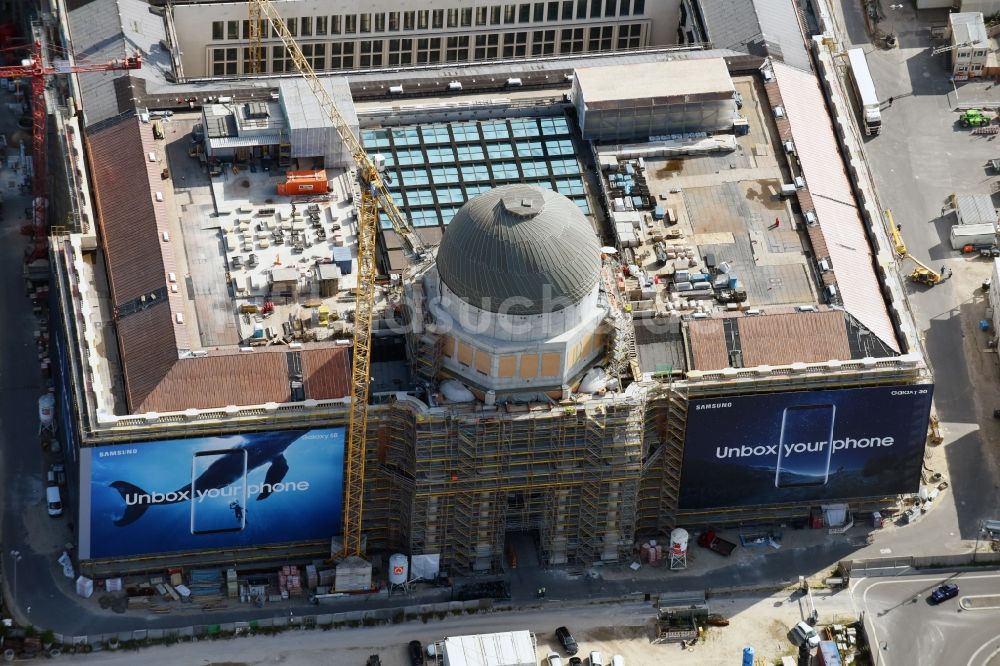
x: 204, y: 493
x: 779, y: 448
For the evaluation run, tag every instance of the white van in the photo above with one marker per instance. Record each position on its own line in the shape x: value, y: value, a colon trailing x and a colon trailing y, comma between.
x: 53, y: 500
x: 596, y: 658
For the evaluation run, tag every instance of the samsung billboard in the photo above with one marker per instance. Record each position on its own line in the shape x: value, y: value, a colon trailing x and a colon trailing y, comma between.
x: 211, y: 493
x: 804, y: 446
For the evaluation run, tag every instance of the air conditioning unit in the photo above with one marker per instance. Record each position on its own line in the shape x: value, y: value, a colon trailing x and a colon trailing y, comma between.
x: 831, y: 292
x: 811, y: 217
x: 824, y: 266
x: 805, y: 308
x: 800, y: 182
x: 789, y: 147
x: 779, y: 112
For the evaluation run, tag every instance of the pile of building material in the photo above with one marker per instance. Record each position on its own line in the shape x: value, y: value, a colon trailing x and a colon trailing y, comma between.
x: 290, y: 582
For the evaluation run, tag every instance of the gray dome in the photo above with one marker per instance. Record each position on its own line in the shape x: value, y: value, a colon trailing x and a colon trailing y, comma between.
x: 519, y: 242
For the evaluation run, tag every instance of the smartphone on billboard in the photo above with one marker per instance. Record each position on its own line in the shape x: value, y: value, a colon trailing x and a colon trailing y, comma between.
x: 802, y: 460
x: 216, y: 509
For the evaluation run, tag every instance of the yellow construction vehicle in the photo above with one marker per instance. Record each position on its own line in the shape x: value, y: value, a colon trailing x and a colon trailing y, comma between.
x: 923, y: 273
x: 374, y: 196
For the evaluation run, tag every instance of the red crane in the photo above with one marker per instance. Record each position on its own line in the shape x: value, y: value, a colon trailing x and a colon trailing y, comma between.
x: 36, y: 69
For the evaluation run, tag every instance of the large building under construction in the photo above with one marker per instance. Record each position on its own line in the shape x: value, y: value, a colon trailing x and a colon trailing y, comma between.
x: 644, y: 307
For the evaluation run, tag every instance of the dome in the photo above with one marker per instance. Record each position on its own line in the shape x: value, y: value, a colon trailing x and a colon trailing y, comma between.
x: 519, y: 242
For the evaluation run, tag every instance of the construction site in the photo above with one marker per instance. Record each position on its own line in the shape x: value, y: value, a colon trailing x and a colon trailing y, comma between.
x: 483, y: 330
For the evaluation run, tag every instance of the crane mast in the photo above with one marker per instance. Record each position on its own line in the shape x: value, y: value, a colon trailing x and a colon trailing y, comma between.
x: 374, y: 196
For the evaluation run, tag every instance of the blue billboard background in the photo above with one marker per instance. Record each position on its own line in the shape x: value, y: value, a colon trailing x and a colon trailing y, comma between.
x: 774, y: 448
x: 248, y: 489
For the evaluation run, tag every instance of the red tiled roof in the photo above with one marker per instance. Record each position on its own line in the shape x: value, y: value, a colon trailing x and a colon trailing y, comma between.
x: 125, y: 208
x: 217, y: 381
x: 326, y: 372
x: 148, y: 351
x: 708, y: 344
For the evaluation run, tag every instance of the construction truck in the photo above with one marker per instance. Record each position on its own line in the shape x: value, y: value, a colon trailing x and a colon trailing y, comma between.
x: 923, y: 273
x: 974, y: 118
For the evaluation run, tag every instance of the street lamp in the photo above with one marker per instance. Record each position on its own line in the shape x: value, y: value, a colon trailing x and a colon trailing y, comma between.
x: 979, y: 534
x: 16, y: 554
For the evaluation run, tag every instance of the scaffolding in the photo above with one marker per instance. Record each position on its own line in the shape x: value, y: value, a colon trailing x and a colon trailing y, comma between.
x: 567, y: 473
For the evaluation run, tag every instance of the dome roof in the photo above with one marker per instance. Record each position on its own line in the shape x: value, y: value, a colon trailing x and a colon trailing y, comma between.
x: 519, y: 242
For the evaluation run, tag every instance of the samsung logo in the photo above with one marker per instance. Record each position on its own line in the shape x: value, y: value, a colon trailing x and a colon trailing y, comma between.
x: 714, y: 405
x: 119, y: 452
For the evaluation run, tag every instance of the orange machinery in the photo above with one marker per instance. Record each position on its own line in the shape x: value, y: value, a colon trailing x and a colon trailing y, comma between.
x: 304, y: 182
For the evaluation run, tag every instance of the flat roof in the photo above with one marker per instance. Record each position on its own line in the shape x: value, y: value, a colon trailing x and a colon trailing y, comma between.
x: 510, y: 648
x: 708, y: 77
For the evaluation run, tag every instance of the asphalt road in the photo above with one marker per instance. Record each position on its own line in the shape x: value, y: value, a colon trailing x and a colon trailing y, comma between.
x: 919, y: 159
x: 909, y: 630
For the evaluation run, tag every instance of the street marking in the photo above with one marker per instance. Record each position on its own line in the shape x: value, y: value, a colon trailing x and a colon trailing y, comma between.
x: 968, y: 603
x: 885, y: 551
x: 972, y: 659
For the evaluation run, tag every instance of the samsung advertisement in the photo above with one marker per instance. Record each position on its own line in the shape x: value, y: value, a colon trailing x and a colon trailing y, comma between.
x: 211, y: 493
x: 808, y: 446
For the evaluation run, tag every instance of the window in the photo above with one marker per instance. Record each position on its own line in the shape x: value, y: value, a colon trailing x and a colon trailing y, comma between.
x: 393, y: 21
x: 977, y: 67
x: 595, y: 8
x: 963, y: 54
x: 524, y: 13
x: 342, y: 55
x: 421, y: 20
x: 335, y: 25
x: 261, y: 63
x: 366, y: 23
x: 610, y: 8
x: 515, y: 44
x: 281, y: 60
x: 553, y: 14
x: 466, y: 17
x: 321, y: 22
x: 539, y: 11
x: 625, y: 7
x: 961, y: 68
x: 428, y: 50
x: 350, y: 24
x: 452, y: 18
x: 232, y: 29
x: 437, y: 19
x: 979, y: 53
x: 371, y: 53
x: 487, y: 46
x: 572, y: 40
x: 482, y: 14
x: 509, y: 13
x: 400, y: 51
x: 543, y: 42
x: 380, y: 23
x: 567, y: 10
x: 495, y: 15
x: 457, y: 49
x: 630, y: 36
x: 292, y: 24
x: 224, y: 62
x: 306, y: 26
x: 315, y: 54
x: 218, y: 30
x: 639, y: 7
x: 581, y: 9
x: 600, y: 38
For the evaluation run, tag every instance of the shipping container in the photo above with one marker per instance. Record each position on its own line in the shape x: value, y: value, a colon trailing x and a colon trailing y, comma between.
x: 304, y: 182
x: 828, y: 654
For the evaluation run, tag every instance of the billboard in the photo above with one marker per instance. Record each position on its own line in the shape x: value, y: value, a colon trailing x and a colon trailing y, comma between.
x: 804, y: 446
x: 211, y: 493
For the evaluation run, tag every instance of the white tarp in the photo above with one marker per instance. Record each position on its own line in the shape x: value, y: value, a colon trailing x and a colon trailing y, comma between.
x: 511, y: 648
x: 425, y: 567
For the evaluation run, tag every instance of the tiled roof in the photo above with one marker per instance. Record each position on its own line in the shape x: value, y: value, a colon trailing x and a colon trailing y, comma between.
x: 836, y: 210
x: 757, y: 27
x: 770, y: 339
x: 326, y: 372
x: 126, y: 210
x: 218, y: 381
x: 148, y: 352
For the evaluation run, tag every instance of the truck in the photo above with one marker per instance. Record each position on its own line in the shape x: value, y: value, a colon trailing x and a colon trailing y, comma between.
x: 709, y: 539
x: 976, y: 235
x: 864, y: 88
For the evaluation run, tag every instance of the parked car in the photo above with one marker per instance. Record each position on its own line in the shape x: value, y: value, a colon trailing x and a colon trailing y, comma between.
x: 943, y: 593
x: 53, y: 501
x: 416, y: 653
x: 554, y: 659
x: 575, y: 661
x: 374, y: 660
x: 567, y: 641
x: 803, y: 633
x: 617, y: 660
x: 596, y: 659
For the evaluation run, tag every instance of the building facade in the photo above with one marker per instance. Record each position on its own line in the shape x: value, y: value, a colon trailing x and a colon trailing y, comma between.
x: 349, y: 34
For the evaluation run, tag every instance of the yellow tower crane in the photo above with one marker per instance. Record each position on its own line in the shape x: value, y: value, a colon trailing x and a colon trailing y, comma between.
x: 374, y: 196
x: 923, y: 273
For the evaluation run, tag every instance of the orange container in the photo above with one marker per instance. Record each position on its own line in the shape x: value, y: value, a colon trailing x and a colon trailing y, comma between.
x: 304, y: 182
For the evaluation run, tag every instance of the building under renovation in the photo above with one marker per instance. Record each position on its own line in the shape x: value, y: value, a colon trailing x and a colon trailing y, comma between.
x: 611, y: 340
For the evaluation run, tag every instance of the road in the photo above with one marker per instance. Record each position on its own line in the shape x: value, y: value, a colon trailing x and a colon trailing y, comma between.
x: 909, y: 630
x: 918, y: 160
